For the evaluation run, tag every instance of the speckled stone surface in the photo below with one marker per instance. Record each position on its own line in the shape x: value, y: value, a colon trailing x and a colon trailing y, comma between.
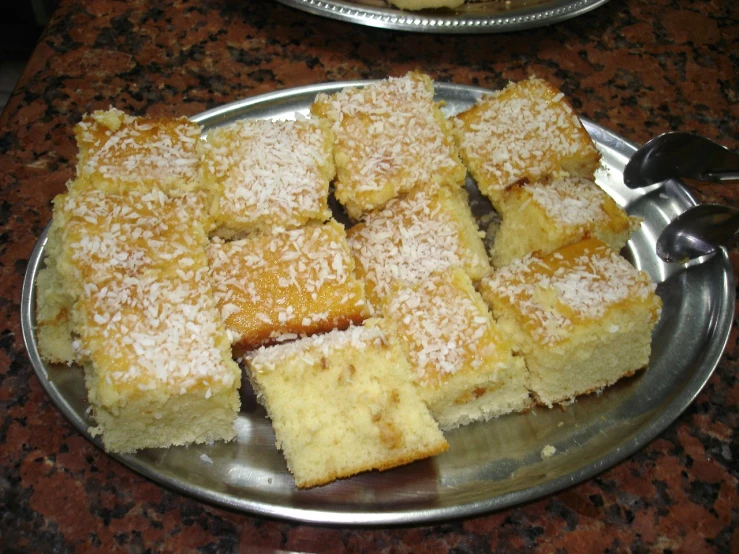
x: 638, y: 67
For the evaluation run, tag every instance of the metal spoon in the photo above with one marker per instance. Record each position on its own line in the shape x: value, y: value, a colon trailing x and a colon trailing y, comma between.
x: 698, y: 231
x: 677, y: 154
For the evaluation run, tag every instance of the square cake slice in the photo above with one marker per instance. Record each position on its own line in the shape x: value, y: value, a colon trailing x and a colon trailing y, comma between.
x: 582, y: 315
x: 277, y: 285
x: 343, y: 403
x: 414, y: 236
x: 463, y: 365
x: 119, y: 152
x: 156, y: 356
x: 272, y: 173
x: 559, y: 210
x: 526, y: 131
x: 390, y: 137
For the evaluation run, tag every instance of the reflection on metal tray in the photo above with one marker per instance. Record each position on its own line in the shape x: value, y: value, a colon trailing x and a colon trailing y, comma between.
x: 474, y: 16
x: 489, y: 465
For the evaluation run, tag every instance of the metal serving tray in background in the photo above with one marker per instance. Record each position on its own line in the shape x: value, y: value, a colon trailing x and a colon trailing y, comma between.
x: 476, y: 16
x: 489, y: 465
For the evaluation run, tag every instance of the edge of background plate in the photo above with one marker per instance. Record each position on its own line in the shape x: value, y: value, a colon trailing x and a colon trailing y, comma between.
x: 429, y: 21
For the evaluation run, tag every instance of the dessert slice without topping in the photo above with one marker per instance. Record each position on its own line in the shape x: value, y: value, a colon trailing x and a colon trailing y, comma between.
x: 343, y: 403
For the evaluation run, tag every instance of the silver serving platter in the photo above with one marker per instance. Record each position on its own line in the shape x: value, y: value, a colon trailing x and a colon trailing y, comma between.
x: 489, y: 465
x: 475, y: 16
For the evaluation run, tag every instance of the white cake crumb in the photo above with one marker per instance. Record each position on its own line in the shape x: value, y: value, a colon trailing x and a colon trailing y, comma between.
x: 205, y: 458
x: 547, y: 452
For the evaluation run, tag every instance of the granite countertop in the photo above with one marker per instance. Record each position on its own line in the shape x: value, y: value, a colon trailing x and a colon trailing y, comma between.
x: 637, y: 67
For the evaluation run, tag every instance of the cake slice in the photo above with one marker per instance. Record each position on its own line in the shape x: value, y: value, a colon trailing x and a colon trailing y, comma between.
x: 582, y: 315
x: 119, y: 152
x: 53, y: 317
x: 273, y: 173
x: 463, y: 365
x: 277, y: 285
x: 414, y: 236
x: 156, y: 357
x: 54, y: 333
x: 343, y: 403
x: 524, y: 132
x: 390, y: 137
x: 559, y: 210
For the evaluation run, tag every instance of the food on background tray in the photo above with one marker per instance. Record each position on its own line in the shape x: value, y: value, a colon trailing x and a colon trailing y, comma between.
x: 526, y: 131
x: 558, y: 210
x: 342, y: 403
x: 425, y: 4
x: 135, y: 293
x: 463, y: 365
x: 390, y: 137
x: 582, y: 316
x: 156, y: 356
x: 277, y: 285
x: 414, y: 236
x: 273, y: 173
x: 118, y: 152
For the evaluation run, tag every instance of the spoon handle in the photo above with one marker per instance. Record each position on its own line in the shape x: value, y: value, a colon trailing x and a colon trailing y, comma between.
x: 697, y: 232
x: 678, y: 154
x: 722, y: 176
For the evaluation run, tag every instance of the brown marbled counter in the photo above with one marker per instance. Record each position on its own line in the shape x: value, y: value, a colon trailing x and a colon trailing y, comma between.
x: 638, y: 67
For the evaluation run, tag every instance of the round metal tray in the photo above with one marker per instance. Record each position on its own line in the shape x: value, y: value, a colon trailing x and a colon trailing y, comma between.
x: 476, y: 16
x: 489, y: 465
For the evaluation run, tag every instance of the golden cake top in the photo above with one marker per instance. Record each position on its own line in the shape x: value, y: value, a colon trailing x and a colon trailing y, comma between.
x: 289, y: 280
x: 273, y: 172
x: 147, y: 316
x: 576, y: 284
x: 112, y: 237
x: 573, y: 201
x: 446, y: 326
x: 310, y: 350
x: 138, y: 151
x: 406, y: 241
x: 521, y: 131
x: 390, y: 132
x: 149, y: 332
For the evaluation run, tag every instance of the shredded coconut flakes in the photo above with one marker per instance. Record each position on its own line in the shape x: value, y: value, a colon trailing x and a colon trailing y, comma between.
x: 150, y: 317
x: 584, y: 287
x: 387, y: 132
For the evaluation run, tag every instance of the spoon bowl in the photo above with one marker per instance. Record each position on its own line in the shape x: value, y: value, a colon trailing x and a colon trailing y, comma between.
x: 676, y: 154
x: 699, y: 231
